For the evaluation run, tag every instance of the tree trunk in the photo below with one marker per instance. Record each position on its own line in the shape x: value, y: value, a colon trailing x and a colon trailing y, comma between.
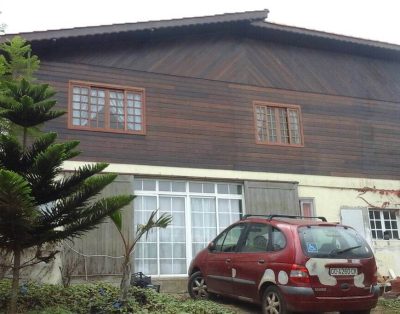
x: 15, y: 281
x: 126, y: 275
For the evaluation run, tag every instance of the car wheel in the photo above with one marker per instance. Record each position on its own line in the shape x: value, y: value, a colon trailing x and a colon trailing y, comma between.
x: 273, y: 301
x: 197, y: 286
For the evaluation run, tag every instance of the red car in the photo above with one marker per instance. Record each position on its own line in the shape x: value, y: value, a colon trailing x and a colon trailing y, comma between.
x: 288, y: 264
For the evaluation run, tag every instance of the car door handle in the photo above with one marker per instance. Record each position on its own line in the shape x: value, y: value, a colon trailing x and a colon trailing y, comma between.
x: 260, y: 261
x: 228, y: 260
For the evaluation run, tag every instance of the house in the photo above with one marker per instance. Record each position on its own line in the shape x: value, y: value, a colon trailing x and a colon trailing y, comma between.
x: 212, y: 117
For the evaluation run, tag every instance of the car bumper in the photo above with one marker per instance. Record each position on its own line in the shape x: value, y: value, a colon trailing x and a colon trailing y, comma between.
x: 303, y: 299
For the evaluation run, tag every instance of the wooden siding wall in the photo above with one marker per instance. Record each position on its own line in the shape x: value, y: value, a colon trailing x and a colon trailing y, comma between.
x: 264, y: 198
x: 245, y: 60
x: 208, y: 123
x: 103, y: 244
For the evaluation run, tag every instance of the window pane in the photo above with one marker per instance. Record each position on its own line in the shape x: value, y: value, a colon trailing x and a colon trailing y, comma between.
x: 166, y: 267
x: 178, y: 219
x: 179, y: 266
x: 257, y: 239
x: 271, y: 121
x: 178, y: 204
x: 208, y: 188
x: 283, y: 122
x: 179, y: 250
x: 261, y: 123
x: 164, y: 186
x: 149, y: 185
x: 235, y: 189
x: 294, y: 125
x: 178, y: 186
x: 223, y: 206
x: 137, y: 184
x: 195, y: 187
x: 150, y: 250
x: 224, y: 220
x: 278, y: 240
x: 232, y: 238
x: 223, y: 188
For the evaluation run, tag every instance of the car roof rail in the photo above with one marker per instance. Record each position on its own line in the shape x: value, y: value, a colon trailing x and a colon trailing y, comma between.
x: 270, y: 217
x: 251, y: 215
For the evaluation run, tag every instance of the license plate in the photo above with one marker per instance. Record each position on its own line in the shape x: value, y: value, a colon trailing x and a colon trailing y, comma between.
x: 343, y: 271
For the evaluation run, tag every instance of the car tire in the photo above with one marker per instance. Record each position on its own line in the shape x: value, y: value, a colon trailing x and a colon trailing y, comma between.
x: 273, y: 301
x: 197, y: 287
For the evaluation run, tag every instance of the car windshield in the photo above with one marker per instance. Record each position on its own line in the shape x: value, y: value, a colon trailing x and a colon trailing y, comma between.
x: 333, y: 242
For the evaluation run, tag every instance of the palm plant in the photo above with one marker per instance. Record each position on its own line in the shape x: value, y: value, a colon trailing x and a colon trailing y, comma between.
x: 38, y: 203
x: 161, y: 222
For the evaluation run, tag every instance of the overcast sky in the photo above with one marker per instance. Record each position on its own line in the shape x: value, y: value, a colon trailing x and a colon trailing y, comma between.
x: 370, y: 19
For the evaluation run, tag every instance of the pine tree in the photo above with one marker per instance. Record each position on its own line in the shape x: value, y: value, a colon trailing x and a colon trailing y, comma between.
x: 16, y: 62
x: 38, y: 203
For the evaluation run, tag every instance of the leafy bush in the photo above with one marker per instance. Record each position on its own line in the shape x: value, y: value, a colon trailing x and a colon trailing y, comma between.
x: 99, y: 298
x: 391, y: 305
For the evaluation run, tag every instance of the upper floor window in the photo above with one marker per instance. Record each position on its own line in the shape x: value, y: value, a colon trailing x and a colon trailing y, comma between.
x: 106, y: 108
x: 278, y: 124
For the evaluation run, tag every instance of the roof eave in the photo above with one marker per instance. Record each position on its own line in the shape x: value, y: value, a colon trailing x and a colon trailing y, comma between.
x: 140, y: 26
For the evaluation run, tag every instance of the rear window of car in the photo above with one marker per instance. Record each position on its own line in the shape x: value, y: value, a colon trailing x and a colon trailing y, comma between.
x: 333, y: 242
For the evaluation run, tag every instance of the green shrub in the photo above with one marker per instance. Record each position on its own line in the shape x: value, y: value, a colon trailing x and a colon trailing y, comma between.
x: 100, y: 298
x: 391, y: 305
x: 52, y: 310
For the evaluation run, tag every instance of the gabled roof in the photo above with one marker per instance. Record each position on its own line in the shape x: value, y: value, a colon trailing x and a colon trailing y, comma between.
x: 253, y: 21
x: 143, y: 26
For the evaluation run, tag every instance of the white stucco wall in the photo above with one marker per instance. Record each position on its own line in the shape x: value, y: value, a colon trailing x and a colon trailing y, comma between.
x: 330, y: 194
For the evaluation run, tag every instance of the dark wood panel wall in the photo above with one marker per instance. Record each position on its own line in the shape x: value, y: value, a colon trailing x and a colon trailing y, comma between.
x: 245, y: 60
x: 204, y: 123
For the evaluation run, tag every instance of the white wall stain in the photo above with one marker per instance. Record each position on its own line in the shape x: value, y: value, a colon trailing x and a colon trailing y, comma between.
x: 283, y: 278
x: 233, y: 272
x: 359, y: 280
x: 317, y: 267
x: 269, y: 276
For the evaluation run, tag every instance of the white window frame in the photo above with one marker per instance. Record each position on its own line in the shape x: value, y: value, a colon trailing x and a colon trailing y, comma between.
x: 188, y: 210
x: 308, y: 200
x: 382, y: 221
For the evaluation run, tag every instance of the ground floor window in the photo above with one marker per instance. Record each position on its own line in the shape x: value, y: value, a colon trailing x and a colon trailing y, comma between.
x: 307, y: 207
x: 384, y: 223
x: 200, y: 210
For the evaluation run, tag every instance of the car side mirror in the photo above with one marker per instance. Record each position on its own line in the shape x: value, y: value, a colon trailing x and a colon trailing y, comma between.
x: 211, y: 246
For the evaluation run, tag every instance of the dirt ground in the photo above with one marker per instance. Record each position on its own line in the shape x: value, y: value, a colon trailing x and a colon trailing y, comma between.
x: 246, y: 308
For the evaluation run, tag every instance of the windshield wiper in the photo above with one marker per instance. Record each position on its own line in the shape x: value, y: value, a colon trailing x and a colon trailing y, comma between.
x: 336, y: 251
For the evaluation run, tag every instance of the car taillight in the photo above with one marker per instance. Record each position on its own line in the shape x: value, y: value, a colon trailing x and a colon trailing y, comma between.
x: 299, y: 274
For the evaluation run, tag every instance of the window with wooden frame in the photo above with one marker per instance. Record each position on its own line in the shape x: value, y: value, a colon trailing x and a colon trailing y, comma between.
x: 307, y: 207
x: 278, y: 124
x: 107, y: 108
